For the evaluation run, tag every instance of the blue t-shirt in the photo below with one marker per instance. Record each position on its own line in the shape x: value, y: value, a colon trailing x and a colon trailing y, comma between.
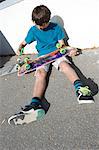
x: 46, y: 38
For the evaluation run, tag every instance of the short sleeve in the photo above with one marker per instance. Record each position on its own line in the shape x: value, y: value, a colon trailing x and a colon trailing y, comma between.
x: 30, y: 36
x: 61, y: 34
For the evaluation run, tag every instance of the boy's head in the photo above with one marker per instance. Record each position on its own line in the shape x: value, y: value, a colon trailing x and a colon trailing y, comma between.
x: 41, y: 15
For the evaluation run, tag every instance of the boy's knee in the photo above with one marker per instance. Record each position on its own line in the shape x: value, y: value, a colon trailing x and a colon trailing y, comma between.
x: 41, y: 74
x: 64, y: 66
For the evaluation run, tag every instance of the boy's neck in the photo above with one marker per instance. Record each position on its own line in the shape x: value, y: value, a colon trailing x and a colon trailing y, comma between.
x: 43, y: 26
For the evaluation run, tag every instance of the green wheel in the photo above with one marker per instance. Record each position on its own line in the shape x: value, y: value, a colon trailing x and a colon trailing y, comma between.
x: 27, y: 66
x: 62, y: 51
x: 26, y: 59
x: 58, y: 45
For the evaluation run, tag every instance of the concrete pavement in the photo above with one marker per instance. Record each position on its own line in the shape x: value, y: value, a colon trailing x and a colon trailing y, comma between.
x: 67, y: 125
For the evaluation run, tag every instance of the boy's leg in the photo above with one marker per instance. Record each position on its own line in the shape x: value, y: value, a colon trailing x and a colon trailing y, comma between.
x: 39, y: 88
x: 68, y: 71
x: 40, y: 83
x: 35, y: 107
x: 34, y: 110
x: 62, y: 64
x: 83, y: 93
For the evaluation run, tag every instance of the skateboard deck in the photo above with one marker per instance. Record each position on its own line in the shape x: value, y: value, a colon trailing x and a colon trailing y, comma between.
x: 29, y: 65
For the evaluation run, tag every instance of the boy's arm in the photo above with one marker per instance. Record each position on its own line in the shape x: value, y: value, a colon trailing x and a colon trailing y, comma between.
x: 22, y: 45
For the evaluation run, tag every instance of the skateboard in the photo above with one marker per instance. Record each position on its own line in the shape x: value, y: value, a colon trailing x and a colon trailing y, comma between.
x: 28, y: 65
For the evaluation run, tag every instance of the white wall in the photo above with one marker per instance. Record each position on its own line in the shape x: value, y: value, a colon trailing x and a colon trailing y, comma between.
x: 80, y: 18
x: 7, y: 3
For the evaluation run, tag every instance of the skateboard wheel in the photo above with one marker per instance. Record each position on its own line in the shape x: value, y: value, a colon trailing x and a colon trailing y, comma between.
x: 17, y: 66
x: 19, y: 60
x: 58, y: 45
x: 27, y: 66
x: 26, y: 59
x: 62, y: 51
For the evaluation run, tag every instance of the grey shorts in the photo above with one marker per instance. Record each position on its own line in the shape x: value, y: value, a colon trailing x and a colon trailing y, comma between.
x: 55, y: 64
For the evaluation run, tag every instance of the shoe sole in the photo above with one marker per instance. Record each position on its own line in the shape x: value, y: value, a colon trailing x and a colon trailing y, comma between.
x: 85, y: 101
x: 26, y: 118
x: 89, y: 101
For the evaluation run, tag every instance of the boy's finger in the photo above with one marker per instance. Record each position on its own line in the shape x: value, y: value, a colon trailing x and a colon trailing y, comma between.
x: 17, y: 52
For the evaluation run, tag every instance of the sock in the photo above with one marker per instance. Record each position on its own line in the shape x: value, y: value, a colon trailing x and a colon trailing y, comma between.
x: 77, y: 84
x: 36, y: 100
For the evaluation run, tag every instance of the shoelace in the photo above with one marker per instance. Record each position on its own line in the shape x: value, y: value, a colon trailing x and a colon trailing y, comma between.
x: 32, y: 105
x: 85, y: 91
x: 27, y: 107
x: 35, y: 104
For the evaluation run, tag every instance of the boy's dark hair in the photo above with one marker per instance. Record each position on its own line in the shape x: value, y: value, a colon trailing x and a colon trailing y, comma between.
x: 41, y: 14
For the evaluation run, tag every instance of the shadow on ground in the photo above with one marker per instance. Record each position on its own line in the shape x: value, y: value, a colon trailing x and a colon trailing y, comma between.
x: 4, y: 60
x: 86, y: 82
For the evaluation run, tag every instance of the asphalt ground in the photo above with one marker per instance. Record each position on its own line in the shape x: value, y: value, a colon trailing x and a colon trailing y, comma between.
x: 67, y: 125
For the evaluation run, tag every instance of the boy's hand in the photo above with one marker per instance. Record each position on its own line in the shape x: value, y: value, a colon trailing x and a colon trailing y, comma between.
x: 73, y: 52
x: 18, y: 52
x: 21, y: 48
